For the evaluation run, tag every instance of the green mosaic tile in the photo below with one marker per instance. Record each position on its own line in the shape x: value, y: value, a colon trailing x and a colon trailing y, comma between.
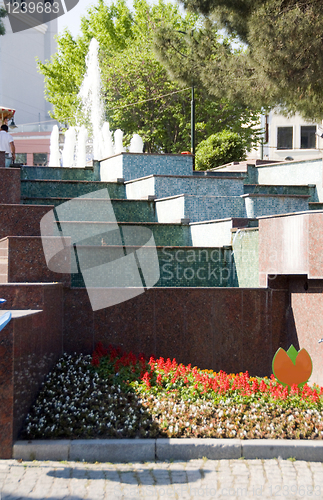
x: 42, y: 189
x: 179, y: 267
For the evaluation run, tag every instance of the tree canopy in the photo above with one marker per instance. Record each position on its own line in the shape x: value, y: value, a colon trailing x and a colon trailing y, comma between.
x: 139, y: 95
x: 3, y: 13
x: 278, y: 64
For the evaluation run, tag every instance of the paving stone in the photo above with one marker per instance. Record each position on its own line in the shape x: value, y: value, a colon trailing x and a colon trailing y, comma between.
x: 222, y: 479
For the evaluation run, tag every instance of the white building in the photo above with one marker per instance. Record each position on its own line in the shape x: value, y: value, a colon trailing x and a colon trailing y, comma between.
x: 21, y: 86
x: 291, y: 138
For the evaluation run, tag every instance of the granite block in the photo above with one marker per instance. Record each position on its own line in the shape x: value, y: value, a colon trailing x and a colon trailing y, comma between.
x: 315, y: 245
x: 42, y: 450
x: 112, y: 450
x: 228, y: 317
x: 135, y: 165
x: 26, y: 262
x: 78, y: 322
x: 200, y: 344
x: 10, y: 185
x: 67, y: 189
x: 29, y: 345
x: 257, y: 332
x: 21, y: 220
x: 170, y: 323
x: 6, y: 390
x: 193, y: 449
x: 306, y: 307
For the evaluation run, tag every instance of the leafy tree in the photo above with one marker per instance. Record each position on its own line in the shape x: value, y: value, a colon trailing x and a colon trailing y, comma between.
x: 279, y: 64
x: 140, y: 96
x: 3, y: 13
x: 218, y: 149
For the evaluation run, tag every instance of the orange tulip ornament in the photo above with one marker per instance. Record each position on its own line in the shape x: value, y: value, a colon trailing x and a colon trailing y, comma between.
x: 292, y: 367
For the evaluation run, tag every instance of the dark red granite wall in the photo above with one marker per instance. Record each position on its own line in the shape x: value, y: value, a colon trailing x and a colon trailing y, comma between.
x: 22, y: 220
x: 29, y: 346
x: 231, y: 329
x: 9, y: 185
x: 26, y: 262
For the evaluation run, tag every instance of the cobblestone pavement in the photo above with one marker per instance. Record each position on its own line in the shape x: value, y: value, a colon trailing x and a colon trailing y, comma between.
x: 195, y: 479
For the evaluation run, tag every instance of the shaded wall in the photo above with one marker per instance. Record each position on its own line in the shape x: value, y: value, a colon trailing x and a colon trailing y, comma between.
x: 29, y: 346
x: 231, y: 329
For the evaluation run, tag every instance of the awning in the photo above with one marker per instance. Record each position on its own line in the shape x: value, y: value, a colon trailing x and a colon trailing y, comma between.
x: 6, y: 113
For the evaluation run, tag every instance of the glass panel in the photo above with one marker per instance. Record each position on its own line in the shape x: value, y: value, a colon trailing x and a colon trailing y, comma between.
x: 40, y: 159
x: 308, y: 137
x: 285, y: 138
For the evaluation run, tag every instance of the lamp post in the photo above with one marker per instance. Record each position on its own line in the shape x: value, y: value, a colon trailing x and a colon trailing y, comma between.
x: 193, y: 125
x: 192, y: 112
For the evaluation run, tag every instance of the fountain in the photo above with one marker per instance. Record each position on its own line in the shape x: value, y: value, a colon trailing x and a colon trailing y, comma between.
x: 90, y: 96
x: 69, y: 146
x: 54, y: 147
x: 136, y: 144
x: 81, y: 146
x: 76, y: 138
x: 118, y: 145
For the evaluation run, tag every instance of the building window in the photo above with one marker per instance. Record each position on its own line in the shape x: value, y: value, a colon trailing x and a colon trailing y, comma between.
x: 285, y: 138
x: 308, y: 137
x: 21, y: 158
x: 40, y: 159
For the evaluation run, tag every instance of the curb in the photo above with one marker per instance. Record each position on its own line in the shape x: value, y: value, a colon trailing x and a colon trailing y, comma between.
x: 147, y: 450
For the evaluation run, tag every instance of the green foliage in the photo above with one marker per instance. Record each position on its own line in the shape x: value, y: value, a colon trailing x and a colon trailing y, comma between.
x: 278, y: 64
x: 3, y: 13
x: 140, y: 96
x: 219, y: 149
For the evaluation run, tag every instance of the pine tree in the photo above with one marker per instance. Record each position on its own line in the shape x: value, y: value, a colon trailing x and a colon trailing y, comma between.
x: 279, y: 62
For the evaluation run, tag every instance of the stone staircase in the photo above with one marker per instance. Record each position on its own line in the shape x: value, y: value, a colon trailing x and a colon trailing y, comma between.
x: 191, y: 215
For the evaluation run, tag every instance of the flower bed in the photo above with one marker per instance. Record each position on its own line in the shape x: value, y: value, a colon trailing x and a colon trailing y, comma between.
x: 115, y: 394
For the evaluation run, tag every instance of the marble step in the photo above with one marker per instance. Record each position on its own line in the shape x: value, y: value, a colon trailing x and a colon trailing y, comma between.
x: 95, y: 209
x: 316, y: 205
x: 282, y: 190
x: 199, y: 208
x: 40, y: 189
x: 60, y: 173
x: 178, y: 266
x: 22, y: 261
x: 206, y: 208
x: 110, y: 233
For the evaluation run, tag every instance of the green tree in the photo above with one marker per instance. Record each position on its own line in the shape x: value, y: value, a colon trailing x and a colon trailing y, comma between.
x: 218, y: 149
x: 279, y: 63
x: 140, y: 96
x: 3, y: 13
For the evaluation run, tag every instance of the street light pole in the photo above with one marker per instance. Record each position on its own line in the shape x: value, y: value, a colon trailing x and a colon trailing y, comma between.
x: 193, y: 126
x: 193, y: 122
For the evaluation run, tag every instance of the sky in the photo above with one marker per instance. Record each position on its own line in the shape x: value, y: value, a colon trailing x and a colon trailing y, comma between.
x: 72, y: 19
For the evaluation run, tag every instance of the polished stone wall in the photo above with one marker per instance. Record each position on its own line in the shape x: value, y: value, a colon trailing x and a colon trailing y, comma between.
x: 231, y: 329
x: 135, y: 165
x: 10, y: 185
x: 29, y: 345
